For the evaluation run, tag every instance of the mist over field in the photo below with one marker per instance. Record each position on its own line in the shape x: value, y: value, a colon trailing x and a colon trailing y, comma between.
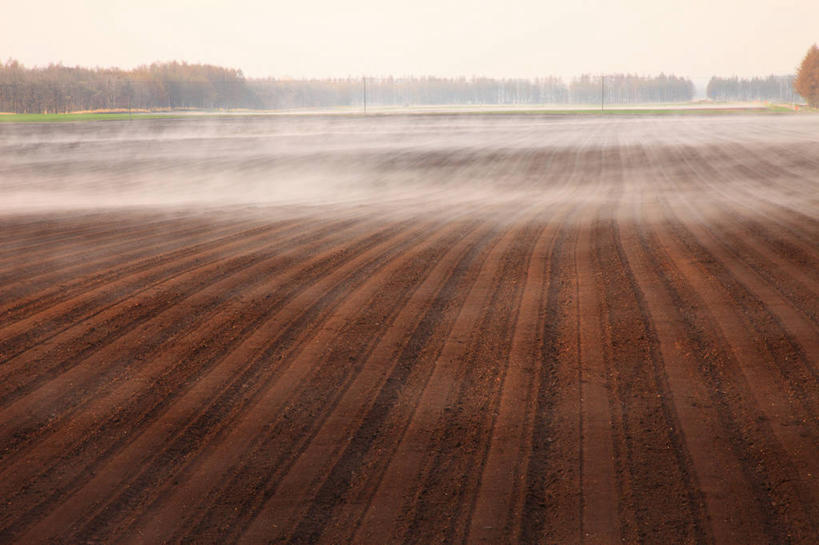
x: 324, y: 159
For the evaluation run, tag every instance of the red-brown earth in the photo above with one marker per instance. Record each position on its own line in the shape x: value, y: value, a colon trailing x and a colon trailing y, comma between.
x: 429, y: 329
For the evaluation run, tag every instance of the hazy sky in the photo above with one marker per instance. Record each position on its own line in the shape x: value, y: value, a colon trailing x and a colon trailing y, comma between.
x: 696, y: 38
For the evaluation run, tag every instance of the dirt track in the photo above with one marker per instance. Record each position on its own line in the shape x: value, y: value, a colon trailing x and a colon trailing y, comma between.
x: 490, y: 329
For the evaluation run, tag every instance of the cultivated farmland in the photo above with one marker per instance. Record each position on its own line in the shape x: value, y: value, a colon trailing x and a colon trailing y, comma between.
x: 410, y: 329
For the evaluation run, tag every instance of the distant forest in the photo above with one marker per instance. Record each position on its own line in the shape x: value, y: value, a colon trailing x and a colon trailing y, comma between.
x: 175, y: 85
x: 620, y: 89
x: 57, y: 88
x: 772, y: 88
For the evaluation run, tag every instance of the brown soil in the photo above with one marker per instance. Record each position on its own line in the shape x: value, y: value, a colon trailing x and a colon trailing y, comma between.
x: 619, y: 343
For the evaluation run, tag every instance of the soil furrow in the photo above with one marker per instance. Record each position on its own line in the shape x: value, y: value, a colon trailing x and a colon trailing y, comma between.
x: 392, y: 408
x: 443, y: 503
x: 497, y: 508
x: 143, y: 271
x: 748, y: 433
x: 58, y: 260
x: 294, y: 429
x: 659, y: 492
x: 42, y: 361
x: 147, y: 406
x: 551, y: 494
x: 373, y: 366
x: 19, y: 253
x: 212, y: 422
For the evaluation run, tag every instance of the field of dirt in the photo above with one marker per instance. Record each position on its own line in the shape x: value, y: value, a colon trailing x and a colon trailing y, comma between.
x: 477, y: 329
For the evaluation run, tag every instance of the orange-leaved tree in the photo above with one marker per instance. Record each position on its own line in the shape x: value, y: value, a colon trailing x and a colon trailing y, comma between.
x: 807, y: 79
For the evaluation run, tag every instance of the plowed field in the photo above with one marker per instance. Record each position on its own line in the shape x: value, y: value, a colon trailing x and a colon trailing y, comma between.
x: 434, y: 329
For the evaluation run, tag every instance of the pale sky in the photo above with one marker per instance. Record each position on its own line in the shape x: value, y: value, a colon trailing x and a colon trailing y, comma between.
x: 511, y: 38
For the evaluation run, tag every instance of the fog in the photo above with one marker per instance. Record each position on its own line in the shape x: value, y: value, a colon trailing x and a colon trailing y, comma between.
x: 419, y: 162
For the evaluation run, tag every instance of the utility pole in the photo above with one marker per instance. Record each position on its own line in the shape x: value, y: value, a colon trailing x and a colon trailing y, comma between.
x: 602, y: 92
x: 364, y: 81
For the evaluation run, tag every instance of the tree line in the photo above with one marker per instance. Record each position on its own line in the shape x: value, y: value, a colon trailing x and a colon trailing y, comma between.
x: 173, y: 85
x: 587, y: 89
x: 630, y: 89
x: 773, y: 88
x: 406, y: 91
x: 178, y: 85
x: 804, y: 85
